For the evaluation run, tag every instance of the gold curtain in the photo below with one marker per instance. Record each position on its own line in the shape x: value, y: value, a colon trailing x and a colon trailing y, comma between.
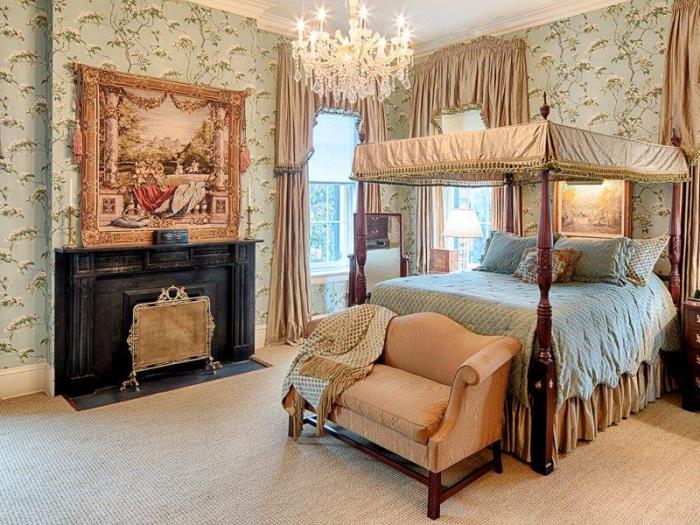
x: 288, y: 308
x: 297, y: 106
x: 680, y: 110
x: 488, y: 72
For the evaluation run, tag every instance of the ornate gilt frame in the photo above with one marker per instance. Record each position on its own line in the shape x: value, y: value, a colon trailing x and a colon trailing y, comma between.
x: 90, y: 79
x: 626, y: 212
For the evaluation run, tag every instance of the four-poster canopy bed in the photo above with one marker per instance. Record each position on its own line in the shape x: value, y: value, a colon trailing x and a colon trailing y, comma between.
x: 516, y: 155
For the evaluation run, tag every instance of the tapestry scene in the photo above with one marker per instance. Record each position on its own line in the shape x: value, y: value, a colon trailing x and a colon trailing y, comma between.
x: 167, y: 157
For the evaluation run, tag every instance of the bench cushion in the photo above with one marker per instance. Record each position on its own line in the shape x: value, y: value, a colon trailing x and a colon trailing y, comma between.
x: 408, y: 404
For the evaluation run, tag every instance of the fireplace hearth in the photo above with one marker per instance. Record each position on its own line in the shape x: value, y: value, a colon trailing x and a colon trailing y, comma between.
x: 97, y: 289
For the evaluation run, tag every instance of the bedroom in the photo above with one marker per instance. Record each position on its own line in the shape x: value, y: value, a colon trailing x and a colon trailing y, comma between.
x: 172, y: 116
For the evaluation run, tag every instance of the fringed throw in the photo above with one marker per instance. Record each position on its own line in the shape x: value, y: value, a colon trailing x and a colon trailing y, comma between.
x: 339, y: 352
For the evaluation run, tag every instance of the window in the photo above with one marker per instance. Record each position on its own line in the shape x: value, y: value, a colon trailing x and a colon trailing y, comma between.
x: 331, y: 192
x: 477, y: 199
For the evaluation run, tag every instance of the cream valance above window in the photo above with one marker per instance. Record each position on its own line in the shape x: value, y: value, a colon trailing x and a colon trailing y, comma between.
x: 481, y: 158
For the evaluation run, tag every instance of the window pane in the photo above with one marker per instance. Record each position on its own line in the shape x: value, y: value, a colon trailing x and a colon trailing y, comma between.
x: 318, y: 252
x: 317, y: 198
x: 333, y: 202
x: 334, y: 251
x: 331, y: 191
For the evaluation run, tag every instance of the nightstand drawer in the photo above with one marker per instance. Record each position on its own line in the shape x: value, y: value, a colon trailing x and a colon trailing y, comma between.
x: 693, y: 337
x: 692, y: 318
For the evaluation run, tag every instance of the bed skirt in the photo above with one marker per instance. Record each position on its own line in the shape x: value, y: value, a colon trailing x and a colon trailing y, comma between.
x: 579, y: 419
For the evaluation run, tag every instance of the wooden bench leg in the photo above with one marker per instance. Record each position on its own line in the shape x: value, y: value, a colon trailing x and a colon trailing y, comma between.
x: 497, y: 463
x: 290, y: 427
x: 434, y: 494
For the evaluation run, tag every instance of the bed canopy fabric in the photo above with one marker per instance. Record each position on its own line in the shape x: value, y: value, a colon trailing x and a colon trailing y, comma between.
x: 482, y: 158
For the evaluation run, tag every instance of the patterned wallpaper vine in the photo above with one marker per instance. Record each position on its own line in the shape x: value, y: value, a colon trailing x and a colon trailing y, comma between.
x: 603, y: 71
x: 23, y: 182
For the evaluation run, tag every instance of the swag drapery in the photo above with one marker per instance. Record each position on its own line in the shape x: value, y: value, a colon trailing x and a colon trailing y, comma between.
x: 681, y: 111
x: 488, y: 73
x: 297, y: 106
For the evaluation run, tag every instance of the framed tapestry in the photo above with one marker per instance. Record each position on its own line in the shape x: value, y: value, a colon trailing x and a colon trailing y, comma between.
x: 157, y: 154
x: 594, y: 209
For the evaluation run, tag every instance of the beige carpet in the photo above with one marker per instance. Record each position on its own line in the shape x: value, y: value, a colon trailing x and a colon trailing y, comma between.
x: 219, y: 453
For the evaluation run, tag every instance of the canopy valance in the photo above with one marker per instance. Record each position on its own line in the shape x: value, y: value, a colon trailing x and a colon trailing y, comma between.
x: 483, y: 157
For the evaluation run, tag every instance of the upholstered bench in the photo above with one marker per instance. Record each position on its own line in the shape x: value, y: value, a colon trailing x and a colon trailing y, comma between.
x: 435, y: 398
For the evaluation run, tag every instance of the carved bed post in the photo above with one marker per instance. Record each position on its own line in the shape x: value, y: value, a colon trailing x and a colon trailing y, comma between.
x: 360, y: 246
x: 674, y: 245
x: 542, y: 368
x: 674, y: 233
x: 510, y: 223
x: 361, y: 236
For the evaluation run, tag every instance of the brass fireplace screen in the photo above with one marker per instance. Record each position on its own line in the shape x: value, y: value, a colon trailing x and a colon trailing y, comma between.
x: 174, y: 329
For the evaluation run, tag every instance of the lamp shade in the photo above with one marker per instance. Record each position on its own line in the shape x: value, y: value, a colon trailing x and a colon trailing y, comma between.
x: 463, y: 224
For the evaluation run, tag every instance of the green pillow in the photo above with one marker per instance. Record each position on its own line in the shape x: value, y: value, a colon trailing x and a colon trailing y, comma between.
x: 504, y: 252
x: 645, y: 253
x: 602, y: 260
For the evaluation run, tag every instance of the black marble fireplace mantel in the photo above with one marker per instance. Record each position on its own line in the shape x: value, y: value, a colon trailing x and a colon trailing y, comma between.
x: 97, y: 288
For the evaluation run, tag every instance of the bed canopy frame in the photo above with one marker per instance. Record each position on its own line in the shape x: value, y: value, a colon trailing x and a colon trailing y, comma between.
x: 523, y: 154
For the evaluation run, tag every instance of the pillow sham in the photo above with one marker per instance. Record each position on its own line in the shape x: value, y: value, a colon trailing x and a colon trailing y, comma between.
x: 504, y: 252
x: 488, y: 242
x: 602, y: 260
x: 569, y: 257
x: 644, y: 255
x: 527, y: 269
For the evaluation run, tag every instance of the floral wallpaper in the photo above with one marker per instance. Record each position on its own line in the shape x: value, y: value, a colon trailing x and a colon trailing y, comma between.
x: 23, y: 182
x: 603, y: 71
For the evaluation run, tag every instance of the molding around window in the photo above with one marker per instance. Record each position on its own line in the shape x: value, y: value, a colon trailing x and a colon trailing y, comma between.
x: 329, y: 275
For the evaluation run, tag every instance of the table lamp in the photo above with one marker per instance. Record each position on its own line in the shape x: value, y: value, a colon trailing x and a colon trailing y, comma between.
x: 463, y: 224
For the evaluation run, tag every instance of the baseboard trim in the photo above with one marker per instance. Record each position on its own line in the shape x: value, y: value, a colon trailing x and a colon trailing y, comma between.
x: 260, y: 334
x: 26, y: 379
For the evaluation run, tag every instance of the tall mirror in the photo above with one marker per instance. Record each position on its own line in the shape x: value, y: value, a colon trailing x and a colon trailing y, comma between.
x: 385, y: 257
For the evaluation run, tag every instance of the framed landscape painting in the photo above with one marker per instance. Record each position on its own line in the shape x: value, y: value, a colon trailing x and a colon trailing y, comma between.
x: 158, y: 154
x: 595, y: 209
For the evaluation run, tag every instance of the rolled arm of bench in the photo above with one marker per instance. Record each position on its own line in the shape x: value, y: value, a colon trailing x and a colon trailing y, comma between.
x: 474, y: 371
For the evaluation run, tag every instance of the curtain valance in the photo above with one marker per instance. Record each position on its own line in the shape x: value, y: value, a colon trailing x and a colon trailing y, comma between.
x: 481, y: 158
x: 297, y: 106
x: 488, y: 72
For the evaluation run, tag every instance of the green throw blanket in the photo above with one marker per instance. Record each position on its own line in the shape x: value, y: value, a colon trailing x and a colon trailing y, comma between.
x: 339, y: 352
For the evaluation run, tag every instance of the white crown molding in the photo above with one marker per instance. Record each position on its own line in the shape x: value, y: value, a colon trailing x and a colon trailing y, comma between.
x: 263, y: 12
x: 276, y: 24
x: 558, y: 10
x: 247, y: 8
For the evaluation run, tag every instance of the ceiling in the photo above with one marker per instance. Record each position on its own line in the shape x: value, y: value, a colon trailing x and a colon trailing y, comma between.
x: 433, y: 23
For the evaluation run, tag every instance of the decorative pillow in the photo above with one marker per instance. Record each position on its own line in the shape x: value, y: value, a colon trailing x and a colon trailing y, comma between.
x: 486, y: 246
x: 645, y: 253
x: 504, y: 252
x: 527, y: 269
x: 568, y: 256
x: 602, y: 260
x: 488, y: 242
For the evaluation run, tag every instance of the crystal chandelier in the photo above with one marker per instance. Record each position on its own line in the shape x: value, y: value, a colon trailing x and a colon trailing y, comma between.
x: 357, y: 65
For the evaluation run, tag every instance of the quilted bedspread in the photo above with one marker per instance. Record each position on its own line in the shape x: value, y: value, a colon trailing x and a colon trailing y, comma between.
x: 599, y: 330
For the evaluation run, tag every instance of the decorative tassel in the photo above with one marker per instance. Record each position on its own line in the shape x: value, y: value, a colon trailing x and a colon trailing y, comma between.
x: 77, y: 144
x: 244, y: 158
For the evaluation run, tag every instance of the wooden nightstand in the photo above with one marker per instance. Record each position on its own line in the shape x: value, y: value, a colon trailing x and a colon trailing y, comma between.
x: 443, y: 261
x: 691, y: 387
